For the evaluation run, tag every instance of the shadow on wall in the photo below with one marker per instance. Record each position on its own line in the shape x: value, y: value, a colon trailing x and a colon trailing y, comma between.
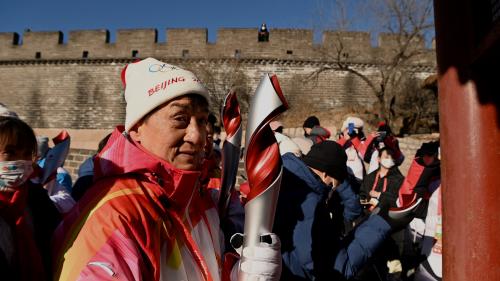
x: 84, y: 96
x: 35, y: 116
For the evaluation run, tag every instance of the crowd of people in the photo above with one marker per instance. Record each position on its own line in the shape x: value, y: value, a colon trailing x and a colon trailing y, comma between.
x: 144, y: 207
x: 334, y: 210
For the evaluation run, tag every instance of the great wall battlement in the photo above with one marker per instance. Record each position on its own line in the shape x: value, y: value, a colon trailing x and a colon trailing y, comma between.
x: 239, y: 43
x: 73, y: 83
x: 55, y: 83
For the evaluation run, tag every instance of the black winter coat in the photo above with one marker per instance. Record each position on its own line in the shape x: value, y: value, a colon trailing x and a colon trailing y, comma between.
x: 394, y: 180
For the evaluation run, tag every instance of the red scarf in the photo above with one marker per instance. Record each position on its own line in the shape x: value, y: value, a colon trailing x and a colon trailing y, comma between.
x: 376, y: 182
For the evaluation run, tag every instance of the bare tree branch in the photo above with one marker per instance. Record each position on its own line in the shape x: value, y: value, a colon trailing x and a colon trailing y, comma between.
x: 408, y: 21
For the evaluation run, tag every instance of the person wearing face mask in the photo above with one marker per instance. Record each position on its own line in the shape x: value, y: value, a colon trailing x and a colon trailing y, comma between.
x: 380, y: 189
x: 382, y: 185
x: 313, y: 245
x: 383, y: 138
x: 27, y: 215
x: 147, y: 215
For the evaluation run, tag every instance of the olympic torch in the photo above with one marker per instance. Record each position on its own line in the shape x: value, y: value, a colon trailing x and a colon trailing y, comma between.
x: 262, y: 161
x: 231, y: 118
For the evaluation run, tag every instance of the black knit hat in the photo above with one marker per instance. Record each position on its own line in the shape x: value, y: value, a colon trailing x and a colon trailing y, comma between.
x: 310, y: 122
x: 329, y: 157
x: 428, y: 148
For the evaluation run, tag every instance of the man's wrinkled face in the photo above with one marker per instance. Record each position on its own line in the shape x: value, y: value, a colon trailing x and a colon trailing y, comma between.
x: 176, y: 131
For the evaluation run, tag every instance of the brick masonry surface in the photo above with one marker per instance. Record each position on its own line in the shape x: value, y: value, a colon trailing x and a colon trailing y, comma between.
x: 75, y: 159
x: 56, y: 82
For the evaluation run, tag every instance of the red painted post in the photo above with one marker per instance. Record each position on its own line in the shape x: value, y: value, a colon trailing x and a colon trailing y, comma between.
x: 468, y: 55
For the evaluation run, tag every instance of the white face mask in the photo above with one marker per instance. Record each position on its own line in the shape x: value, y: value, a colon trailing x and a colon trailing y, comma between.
x: 387, y: 163
x: 14, y: 173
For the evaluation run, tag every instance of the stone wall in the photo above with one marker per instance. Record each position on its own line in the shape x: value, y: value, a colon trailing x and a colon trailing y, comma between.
x: 64, y: 95
x: 76, y: 85
x: 75, y: 159
x: 88, y: 95
x: 73, y: 83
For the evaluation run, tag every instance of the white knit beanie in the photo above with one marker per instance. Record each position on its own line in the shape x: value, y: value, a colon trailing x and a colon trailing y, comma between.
x: 150, y: 83
x: 357, y: 122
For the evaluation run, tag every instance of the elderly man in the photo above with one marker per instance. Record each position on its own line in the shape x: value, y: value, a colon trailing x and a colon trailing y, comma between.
x: 147, y: 216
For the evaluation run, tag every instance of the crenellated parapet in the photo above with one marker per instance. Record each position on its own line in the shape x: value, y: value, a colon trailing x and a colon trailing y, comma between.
x: 241, y: 43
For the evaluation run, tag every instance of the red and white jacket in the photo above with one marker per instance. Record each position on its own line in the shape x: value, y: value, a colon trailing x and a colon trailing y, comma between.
x: 142, y: 220
x: 356, y: 150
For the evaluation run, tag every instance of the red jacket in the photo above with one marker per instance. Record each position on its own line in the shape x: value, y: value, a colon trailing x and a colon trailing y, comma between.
x: 360, y: 146
x: 142, y: 219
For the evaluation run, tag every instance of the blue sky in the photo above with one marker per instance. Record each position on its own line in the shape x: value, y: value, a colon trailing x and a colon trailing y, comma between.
x: 17, y: 15
x: 65, y: 15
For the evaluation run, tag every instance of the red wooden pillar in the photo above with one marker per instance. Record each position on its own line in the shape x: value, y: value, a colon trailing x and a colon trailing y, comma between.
x: 468, y: 52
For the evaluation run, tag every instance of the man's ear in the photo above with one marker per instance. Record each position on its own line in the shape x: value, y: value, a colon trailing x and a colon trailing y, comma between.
x: 336, y: 182
x: 323, y: 176
x: 135, y: 132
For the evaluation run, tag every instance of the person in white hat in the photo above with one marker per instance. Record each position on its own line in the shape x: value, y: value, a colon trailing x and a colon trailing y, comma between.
x: 352, y: 140
x: 147, y: 217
